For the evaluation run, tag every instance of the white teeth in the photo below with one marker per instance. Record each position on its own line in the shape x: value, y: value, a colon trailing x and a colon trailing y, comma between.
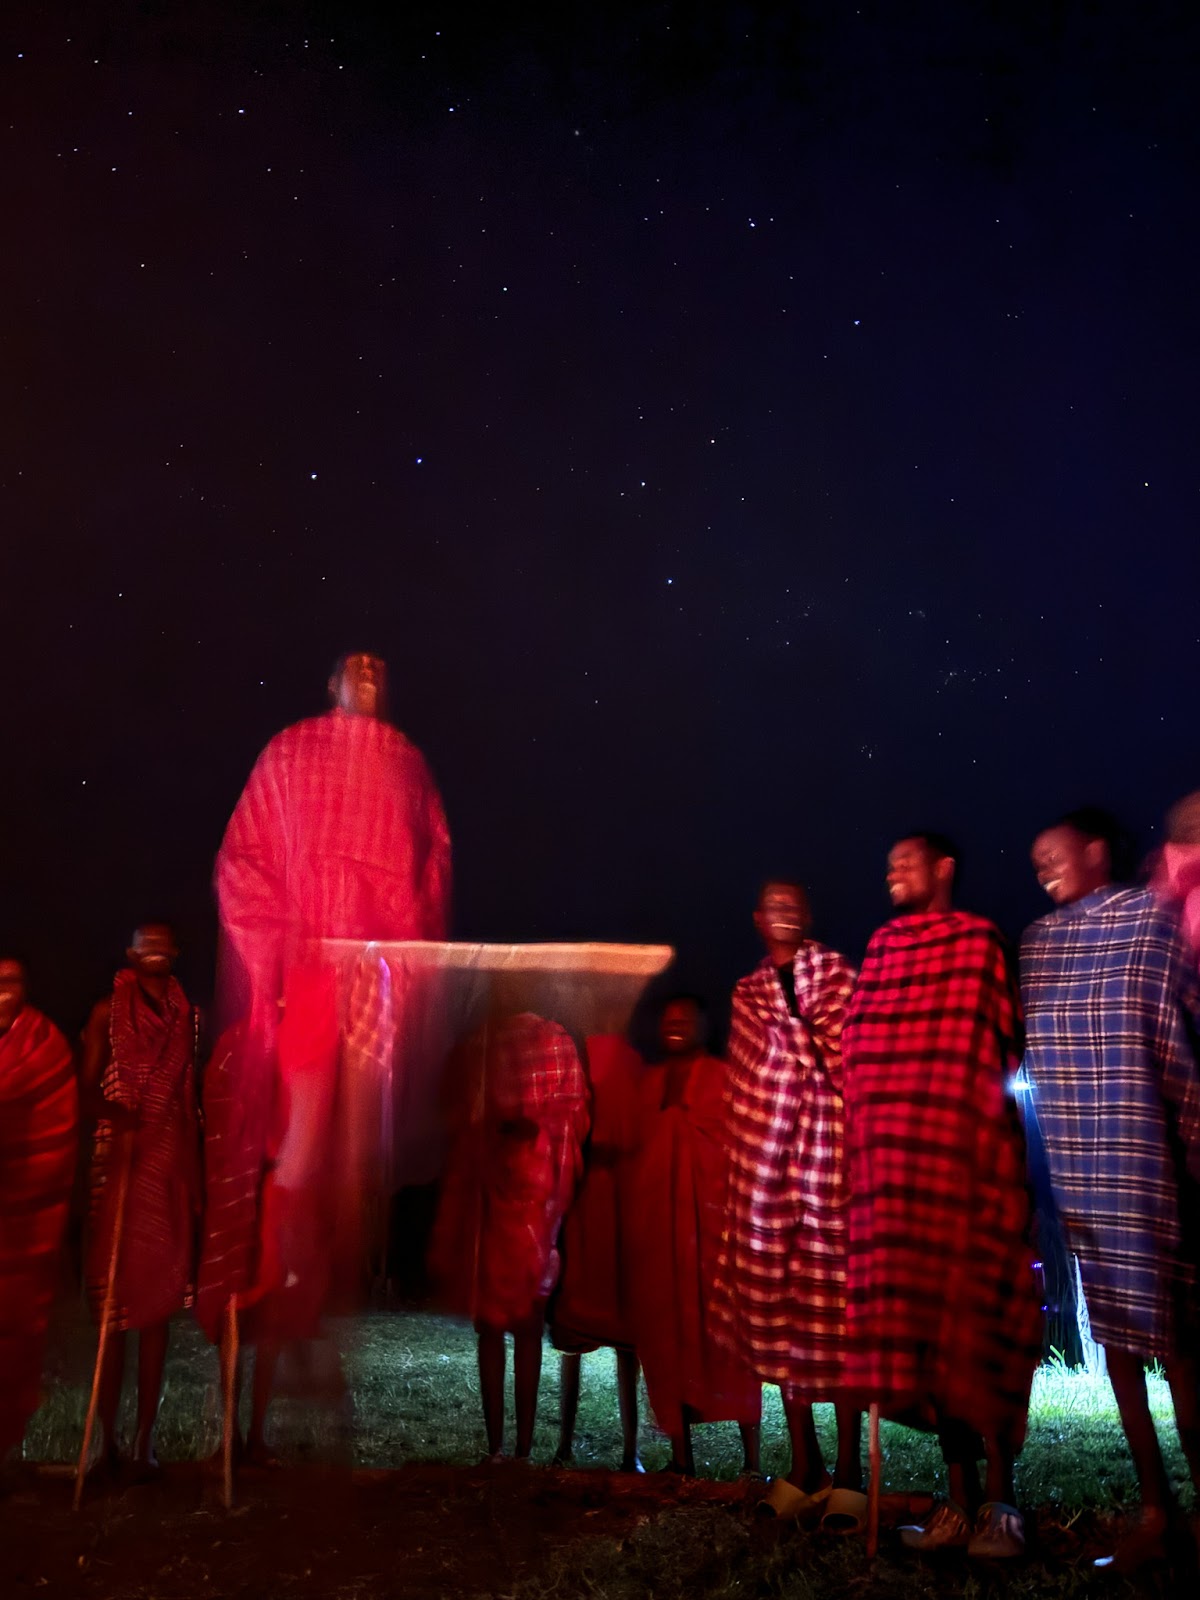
x: 1051, y: 885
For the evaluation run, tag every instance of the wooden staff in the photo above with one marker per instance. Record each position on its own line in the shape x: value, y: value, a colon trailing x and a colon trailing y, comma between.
x: 230, y: 1396
x: 106, y: 1317
x: 875, y: 1460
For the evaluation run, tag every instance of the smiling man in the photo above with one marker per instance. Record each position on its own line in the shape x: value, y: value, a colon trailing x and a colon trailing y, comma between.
x: 1113, y: 1009
x: 944, y: 1324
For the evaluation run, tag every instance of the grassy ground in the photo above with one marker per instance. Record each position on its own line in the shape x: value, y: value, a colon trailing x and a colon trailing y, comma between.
x: 411, y: 1403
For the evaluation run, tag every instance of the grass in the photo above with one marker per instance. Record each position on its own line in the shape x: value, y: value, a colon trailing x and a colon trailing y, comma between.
x: 414, y: 1395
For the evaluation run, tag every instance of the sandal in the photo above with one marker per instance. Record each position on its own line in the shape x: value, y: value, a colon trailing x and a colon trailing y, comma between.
x: 788, y: 1504
x: 846, y: 1513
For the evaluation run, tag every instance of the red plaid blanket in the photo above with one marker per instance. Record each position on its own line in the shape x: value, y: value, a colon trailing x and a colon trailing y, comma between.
x: 38, y: 1131
x: 943, y: 1311
x: 780, y: 1293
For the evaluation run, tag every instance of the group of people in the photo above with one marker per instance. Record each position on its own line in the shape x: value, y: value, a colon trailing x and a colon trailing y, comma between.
x: 841, y: 1207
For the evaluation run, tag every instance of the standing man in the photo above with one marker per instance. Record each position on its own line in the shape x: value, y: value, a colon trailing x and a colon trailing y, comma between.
x: 779, y: 1304
x: 517, y: 1116
x: 679, y: 1186
x: 944, y: 1321
x: 1112, y: 1004
x: 339, y: 833
x: 139, y: 1049
x: 38, y: 1131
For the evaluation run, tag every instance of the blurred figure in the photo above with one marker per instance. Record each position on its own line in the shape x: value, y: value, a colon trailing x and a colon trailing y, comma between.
x: 679, y: 1187
x: 518, y: 1118
x: 38, y: 1131
x: 139, y: 1048
x: 780, y: 1300
x: 944, y: 1321
x: 339, y: 833
x: 1177, y: 876
x: 590, y: 1307
x: 1112, y: 1006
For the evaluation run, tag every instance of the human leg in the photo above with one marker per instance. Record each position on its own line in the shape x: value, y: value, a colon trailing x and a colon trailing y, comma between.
x: 568, y: 1405
x: 808, y: 1467
x: 527, y: 1377
x: 848, y: 1472
x: 751, y: 1434
x: 266, y: 1359
x: 1184, y: 1378
x: 627, y: 1401
x: 112, y: 1374
x: 491, y: 1385
x: 152, y: 1360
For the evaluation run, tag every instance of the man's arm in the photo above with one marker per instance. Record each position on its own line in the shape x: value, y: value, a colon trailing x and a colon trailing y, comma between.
x: 250, y: 886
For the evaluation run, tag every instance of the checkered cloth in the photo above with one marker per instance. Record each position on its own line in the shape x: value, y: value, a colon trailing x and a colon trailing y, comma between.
x: 1113, y: 1009
x: 518, y: 1119
x: 943, y: 1315
x: 38, y: 1135
x: 151, y: 1072
x: 780, y: 1293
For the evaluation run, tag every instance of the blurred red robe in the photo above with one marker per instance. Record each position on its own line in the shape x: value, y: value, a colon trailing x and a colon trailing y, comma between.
x: 518, y: 1116
x: 339, y: 834
x: 678, y: 1191
x: 591, y: 1307
x: 38, y: 1133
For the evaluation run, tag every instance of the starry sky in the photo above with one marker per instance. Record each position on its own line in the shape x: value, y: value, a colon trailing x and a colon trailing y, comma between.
x: 748, y: 431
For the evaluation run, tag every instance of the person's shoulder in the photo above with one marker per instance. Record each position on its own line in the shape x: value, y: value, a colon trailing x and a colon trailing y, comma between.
x: 970, y: 922
x: 753, y: 980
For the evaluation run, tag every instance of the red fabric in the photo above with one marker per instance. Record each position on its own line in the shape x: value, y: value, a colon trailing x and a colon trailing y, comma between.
x: 151, y: 1073
x: 943, y: 1309
x: 518, y: 1119
x: 39, y: 1120
x: 780, y: 1296
x: 339, y: 834
x: 678, y: 1188
x: 591, y: 1307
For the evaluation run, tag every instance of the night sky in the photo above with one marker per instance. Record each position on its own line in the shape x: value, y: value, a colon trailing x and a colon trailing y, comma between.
x: 749, y: 432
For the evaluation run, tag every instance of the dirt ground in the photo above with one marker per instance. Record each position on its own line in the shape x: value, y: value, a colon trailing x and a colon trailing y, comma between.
x: 420, y: 1531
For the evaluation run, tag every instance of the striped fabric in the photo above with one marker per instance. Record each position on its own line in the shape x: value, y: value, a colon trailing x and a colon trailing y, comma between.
x: 943, y: 1315
x: 151, y: 1072
x: 780, y: 1295
x: 1113, y: 1009
x: 38, y: 1133
x: 235, y: 1155
x: 339, y: 834
x: 519, y: 1118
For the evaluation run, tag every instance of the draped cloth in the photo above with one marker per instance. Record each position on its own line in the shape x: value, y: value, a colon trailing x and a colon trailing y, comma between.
x: 943, y: 1319
x: 1112, y: 1004
x: 339, y: 834
x: 678, y: 1188
x: 779, y: 1299
x: 38, y: 1133
x: 518, y: 1112
x: 591, y: 1306
x: 151, y: 1075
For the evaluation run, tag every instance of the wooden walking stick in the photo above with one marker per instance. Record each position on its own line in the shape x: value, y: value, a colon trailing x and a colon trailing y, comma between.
x: 106, y: 1317
x: 875, y: 1459
x: 230, y: 1422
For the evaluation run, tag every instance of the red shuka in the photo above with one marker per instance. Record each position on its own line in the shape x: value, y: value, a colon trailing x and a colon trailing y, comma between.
x: 591, y: 1306
x: 518, y: 1119
x: 944, y: 1317
x: 151, y: 1073
x: 678, y: 1190
x: 39, y: 1123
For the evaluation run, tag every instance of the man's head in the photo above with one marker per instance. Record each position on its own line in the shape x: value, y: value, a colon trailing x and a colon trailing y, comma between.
x: 782, y: 916
x: 13, y: 984
x: 1075, y: 856
x: 359, y: 685
x: 153, y: 952
x: 921, y: 872
x: 1183, y: 820
x: 681, y: 1025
